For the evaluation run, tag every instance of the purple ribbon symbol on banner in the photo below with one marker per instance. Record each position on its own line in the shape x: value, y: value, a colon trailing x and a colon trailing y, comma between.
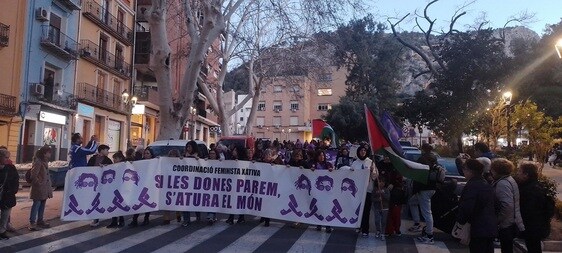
x: 73, y: 205
x: 355, y: 219
x: 118, y: 203
x: 95, y: 203
x: 336, y: 211
x: 292, y: 207
x: 143, y: 198
x: 314, y: 210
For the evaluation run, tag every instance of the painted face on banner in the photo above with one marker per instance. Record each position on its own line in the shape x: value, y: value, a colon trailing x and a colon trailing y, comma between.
x: 131, y: 176
x: 324, y: 183
x: 87, y: 180
x: 108, y: 177
x: 348, y: 185
x: 303, y: 183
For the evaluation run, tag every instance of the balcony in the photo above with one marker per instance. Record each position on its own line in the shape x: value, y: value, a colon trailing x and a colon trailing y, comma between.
x: 59, y: 43
x: 71, y: 4
x: 50, y: 96
x: 7, y: 105
x: 4, y: 35
x: 91, y: 94
x: 97, y: 14
x: 104, y: 59
x: 142, y: 48
x: 147, y: 94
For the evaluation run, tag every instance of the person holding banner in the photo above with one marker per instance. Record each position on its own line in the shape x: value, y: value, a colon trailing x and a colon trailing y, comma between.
x: 117, y: 222
x: 212, y: 217
x: 271, y: 158
x: 147, y: 154
x: 297, y: 160
x: 363, y: 162
x: 191, y: 151
x: 237, y: 153
x: 41, y: 189
x: 320, y: 163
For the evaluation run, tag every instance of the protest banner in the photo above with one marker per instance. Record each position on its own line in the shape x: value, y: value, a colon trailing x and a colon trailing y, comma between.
x: 233, y: 187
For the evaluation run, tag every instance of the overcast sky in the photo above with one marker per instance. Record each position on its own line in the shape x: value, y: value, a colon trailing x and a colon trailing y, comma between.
x: 497, y: 11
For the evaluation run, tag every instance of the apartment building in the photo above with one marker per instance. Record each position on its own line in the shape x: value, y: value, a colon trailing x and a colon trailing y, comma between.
x: 288, y: 104
x: 237, y: 121
x: 50, y: 53
x: 202, y: 121
x: 104, y: 72
x: 12, y: 36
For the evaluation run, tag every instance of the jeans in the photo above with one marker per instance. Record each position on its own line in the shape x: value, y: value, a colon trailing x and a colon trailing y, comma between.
x: 366, y: 213
x: 506, y: 236
x: 37, y: 211
x: 380, y: 216
x: 533, y: 245
x: 424, y: 202
x: 4, y: 217
x: 481, y: 245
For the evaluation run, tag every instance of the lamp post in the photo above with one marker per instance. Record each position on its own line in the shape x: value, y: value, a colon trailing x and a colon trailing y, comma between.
x: 507, y: 99
x: 192, y: 113
x: 129, y: 104
x: 420, y: 129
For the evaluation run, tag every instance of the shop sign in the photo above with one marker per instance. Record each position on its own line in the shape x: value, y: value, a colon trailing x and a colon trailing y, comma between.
x: 85, y: 110
x: 52, y: 118
x: 138, y: 109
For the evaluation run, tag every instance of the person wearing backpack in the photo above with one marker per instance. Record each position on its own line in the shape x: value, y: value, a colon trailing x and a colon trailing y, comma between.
x: 423, y: 193
x: 537, y: 207
x: 507, y: 203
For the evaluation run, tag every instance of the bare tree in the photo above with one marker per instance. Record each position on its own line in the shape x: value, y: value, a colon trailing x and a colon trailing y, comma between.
x: 265, y: 24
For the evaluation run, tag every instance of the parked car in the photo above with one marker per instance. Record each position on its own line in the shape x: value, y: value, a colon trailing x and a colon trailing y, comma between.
x: 161, y: 148
x: 413, y: 154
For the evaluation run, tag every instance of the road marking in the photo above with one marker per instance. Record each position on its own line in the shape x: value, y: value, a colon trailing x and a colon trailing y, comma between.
x: 310, y: 241
x: 69, y: 241
x: 45, y: 232
x: 192, y: 240
x: 253, y: 239
x: 370, y: 244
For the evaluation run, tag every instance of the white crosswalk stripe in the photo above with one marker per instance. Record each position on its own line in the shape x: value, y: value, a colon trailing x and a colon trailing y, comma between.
x: 253, y: 239
x: 248, y: 237
x: 187, y: 243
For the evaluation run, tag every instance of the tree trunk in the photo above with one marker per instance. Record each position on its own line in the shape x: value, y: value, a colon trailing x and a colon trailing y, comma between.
x: 248, y: 130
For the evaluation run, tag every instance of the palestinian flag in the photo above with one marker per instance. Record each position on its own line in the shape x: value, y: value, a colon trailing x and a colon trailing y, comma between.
x: 382, y: 143
x: 321, y: 130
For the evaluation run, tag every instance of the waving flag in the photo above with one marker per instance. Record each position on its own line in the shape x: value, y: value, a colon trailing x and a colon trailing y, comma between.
x: 321, y: 130
x: 382, y: 143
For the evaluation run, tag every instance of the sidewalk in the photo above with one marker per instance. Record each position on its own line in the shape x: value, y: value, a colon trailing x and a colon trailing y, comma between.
x: 20, y: 213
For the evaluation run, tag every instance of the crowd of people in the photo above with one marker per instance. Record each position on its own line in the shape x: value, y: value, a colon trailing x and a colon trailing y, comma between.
x: 496, y: 204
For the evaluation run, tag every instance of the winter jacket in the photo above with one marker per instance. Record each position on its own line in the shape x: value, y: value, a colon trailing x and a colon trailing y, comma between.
x: 10, y: 187
x: 366, y: 165
x: 535, y: 211
x: 98, y: 160
x: 507, y: 203
x: 428, y: 159
x: 476, y: 206
x: 300, y: 163
x: 78, y: 154
x: 41, y: 187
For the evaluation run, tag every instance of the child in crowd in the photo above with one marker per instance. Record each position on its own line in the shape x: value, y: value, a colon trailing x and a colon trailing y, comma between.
x: 398, y: 198
x: 380, y: 206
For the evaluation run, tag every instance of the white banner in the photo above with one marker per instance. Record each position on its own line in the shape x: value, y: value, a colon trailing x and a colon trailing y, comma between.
x: 233, y: 187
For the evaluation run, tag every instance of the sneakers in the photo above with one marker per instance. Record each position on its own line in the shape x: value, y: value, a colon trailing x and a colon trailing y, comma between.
x: 415, y: 228
x: 426, y: 239
x: 364, y: 235
x: 43, y: 224
x: 398, y: 233
x: 94, y: 223
x: 230, y: 221
x: 185, y: 224
x: 33, y: 227
x: 10, y: 228
x: 329, y: 230
x: 4, y: 236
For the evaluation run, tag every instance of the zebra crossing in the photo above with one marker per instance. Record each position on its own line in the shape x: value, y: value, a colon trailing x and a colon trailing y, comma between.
x: 220, y: 237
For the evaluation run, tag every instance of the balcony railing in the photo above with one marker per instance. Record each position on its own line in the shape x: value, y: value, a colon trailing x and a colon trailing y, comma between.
x: 91, y: 94
x: 4, y: 35
x: 53, y: 97
x: 97, y: 14
x: 142, y: 48
x: 7, y: 104
x: 147, y: 94
x: 59, y: 43
x: 104, y: 59
x: 71, y: 4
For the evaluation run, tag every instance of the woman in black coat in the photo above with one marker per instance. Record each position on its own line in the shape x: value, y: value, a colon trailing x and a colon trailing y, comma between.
x: 476, y: 207
x: 9, y: 186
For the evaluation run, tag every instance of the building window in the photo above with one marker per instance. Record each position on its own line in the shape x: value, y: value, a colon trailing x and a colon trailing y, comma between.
x: 324, y: 107
x: 241, y: 119
x: 260, y: 121
x: 326, y: 77
x: 261, y: 106
x: 294, y: 121
x: 277, y: 106
x: 325, y: 92
x: 295, y: 88
x: 277, y: 121
x: 294, y: 105
x: 277, y: 88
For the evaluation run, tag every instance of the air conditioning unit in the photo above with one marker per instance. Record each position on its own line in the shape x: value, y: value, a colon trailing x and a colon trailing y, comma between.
x: 42, y: 14
x: 38, y: 89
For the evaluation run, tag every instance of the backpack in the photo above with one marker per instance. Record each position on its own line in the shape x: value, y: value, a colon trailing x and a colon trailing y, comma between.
x: 28, y: 177
x: 436, y: 174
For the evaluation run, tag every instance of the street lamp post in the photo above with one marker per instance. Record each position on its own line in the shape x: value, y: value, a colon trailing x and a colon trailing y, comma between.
x: 507, y: 99
x: 129, y: 104
x: 192, y: 112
